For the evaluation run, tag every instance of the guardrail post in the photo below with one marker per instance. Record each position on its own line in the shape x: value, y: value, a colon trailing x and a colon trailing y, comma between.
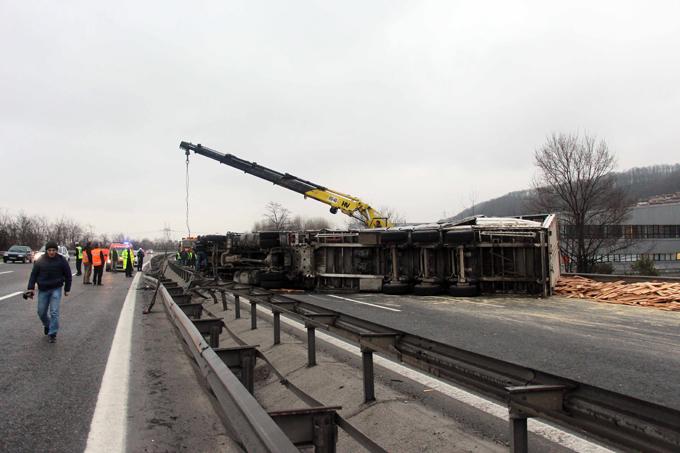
x: 519, y: 442
x: 529, y: 401
x: 253, y: 315
x: 215, y: 336
x: 237, y: 306
x: 367, y: 362
x: 311, y: 345
x: 277, y: 326
x: 224, y: 301
x: 315, y: 426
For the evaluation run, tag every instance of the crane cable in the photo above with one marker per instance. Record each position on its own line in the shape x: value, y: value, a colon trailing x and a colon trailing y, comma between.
x: 186, y: 179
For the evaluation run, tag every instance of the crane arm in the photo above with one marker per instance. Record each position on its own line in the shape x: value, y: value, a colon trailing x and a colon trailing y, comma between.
x: 338, y: 201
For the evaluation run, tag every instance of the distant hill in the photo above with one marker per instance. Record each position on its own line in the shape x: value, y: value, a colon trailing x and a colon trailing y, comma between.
x: 642, y: 183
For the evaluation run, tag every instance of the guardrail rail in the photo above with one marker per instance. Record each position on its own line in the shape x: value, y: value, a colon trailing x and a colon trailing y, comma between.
x: 613, y: 418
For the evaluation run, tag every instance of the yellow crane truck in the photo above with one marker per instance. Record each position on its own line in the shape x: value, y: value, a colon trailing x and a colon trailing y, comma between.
x: 338, y: 201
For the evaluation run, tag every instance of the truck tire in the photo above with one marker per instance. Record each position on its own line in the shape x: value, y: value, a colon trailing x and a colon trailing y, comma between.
x: 427, y: 290
x: 464, y: 291
x: 431, y: 236
x: 272, y: 276
x: 396, y: 288
x: 271, y: 284
x: 394, y: 237
x: 460, y: 237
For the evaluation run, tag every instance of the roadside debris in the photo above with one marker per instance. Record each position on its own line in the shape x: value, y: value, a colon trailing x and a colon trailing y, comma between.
x: 664, y: 296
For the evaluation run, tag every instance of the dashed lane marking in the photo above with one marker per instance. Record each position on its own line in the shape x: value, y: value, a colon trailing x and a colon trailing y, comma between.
x: 6, y: 272
x: 363, y: 303
x: 11, y: 295
x: 108, y: 430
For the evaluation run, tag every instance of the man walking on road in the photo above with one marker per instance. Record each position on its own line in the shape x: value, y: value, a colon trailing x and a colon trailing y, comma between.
x: 51, y: 271
x: 79, y: 258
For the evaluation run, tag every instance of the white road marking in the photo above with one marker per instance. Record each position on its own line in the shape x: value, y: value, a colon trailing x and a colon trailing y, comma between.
x: 363, y: 303
x: 551, y: 433
x: 11, y: 295
x: 108, y: 430
x: 6, y: 272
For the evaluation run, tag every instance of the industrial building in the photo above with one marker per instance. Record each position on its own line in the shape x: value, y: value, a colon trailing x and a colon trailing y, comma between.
x: 652, y: 230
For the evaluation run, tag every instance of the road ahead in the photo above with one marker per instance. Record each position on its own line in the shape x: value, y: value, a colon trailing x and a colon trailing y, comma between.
x: 50, y: 391
x: 630, y: 350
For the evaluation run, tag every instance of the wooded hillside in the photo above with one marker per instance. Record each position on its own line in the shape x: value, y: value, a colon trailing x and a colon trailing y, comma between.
x: 641, y: 182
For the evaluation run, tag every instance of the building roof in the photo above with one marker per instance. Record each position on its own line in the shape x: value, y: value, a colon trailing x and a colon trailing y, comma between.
x: 655, y: 214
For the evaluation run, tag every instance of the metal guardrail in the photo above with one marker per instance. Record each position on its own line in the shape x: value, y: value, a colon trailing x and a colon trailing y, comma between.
x: 314, y: 426
x: 616, y: 419
x: 625, y: 278
x: 252, y: 424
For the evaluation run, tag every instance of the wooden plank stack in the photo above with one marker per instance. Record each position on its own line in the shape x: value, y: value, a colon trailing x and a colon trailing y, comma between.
x: 664, y: 296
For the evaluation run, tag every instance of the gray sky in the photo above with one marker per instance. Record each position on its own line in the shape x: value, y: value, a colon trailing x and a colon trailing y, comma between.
x: 418, y: 106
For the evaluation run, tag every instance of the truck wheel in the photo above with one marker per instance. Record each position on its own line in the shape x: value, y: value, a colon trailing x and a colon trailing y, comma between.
x: 463, y: 291
x: 427, y: 290
x: 396, y: 288
x: 272, y: 276
x: 271, y: 284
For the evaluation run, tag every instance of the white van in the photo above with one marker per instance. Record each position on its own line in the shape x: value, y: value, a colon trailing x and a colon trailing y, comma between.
x: 62, y: 250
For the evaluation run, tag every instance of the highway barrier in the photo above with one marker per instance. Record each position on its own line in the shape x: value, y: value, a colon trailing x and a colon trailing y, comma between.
x: 613, y: 418
x: 230, y: 374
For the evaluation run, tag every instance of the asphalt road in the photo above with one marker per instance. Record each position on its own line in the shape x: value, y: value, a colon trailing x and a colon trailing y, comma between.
x: 630, y: 350
x: 49, y: 391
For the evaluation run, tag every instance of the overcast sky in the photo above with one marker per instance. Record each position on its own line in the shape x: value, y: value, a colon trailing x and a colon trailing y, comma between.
x: 419, y: 106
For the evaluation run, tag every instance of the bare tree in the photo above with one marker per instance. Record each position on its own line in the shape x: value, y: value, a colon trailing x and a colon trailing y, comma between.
x: 317, y: 223
x: 575, y: 180
x: 275, y: 218
x: 309, y: 223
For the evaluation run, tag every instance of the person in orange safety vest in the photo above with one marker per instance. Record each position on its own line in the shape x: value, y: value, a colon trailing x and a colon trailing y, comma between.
x: 97, y: 264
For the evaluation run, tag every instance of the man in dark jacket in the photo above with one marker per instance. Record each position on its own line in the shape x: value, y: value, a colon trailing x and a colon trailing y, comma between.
x: 50, y: 272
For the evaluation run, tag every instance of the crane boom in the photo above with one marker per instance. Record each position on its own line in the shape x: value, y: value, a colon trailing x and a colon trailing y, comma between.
x: 338, y: 201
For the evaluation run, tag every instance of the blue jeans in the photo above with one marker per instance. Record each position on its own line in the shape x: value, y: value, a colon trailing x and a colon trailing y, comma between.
x: 49, y: 299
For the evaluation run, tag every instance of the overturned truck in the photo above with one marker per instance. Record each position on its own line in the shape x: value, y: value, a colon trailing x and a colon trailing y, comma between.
x: 466, y: 258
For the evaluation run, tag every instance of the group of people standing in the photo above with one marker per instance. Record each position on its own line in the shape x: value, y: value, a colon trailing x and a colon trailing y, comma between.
x: 197, y: 259
x: 93, y: 258
x: 52, y: 272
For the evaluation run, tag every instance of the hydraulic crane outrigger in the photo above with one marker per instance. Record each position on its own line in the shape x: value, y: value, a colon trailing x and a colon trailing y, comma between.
x: 338, y: 201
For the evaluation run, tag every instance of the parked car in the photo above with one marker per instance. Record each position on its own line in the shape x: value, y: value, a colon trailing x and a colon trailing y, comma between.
x: 62, y: 250
x: 16, y: 253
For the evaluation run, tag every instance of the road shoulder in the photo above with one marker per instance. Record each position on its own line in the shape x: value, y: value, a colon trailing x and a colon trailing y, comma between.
x: 168, y: 409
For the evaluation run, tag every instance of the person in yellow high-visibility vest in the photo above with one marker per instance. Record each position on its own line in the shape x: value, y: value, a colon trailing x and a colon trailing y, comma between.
x: 128, y: 261
x: 79, y: 259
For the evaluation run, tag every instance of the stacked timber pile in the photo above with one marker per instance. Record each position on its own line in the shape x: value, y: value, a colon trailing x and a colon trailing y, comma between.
x: 664, y: 296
